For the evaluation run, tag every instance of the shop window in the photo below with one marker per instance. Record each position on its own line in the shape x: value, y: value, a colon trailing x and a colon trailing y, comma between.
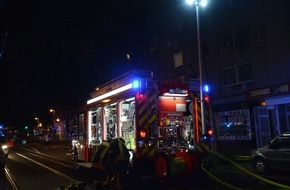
x: 233, y: 125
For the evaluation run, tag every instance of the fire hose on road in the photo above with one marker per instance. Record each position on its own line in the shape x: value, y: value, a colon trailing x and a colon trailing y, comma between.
x: 225, y: 184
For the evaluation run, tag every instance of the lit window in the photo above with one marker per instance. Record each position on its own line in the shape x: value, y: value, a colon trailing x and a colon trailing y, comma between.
x: 178, y: 59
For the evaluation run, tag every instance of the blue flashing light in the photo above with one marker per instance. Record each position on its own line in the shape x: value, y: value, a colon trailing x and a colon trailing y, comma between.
x: 206, y: 88
x: 135, y: 84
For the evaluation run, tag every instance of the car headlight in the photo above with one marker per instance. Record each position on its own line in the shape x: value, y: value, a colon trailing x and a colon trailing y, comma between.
x: 4, y: 146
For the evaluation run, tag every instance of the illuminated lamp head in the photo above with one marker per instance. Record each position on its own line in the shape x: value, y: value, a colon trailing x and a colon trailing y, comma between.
x: 135, y: 84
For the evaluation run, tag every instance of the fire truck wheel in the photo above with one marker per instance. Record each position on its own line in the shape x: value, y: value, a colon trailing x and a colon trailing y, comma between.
x: 162, y: 166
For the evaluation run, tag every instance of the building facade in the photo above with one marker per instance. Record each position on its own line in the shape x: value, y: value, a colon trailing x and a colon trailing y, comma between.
x: 247, y: 64
x: 245, y: 56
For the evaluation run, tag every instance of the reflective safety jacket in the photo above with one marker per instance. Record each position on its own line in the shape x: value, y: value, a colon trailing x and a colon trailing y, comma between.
x: 119, y: 151
x: 102, y: 157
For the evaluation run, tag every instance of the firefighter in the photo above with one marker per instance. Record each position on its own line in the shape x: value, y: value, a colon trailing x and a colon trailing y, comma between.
x: 101, y: 165
x: 110, y: 163
x: 120, y: 163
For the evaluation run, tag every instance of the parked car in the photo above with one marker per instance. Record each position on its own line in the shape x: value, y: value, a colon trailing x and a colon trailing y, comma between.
x: 275, y: 155
x: 3, y: 149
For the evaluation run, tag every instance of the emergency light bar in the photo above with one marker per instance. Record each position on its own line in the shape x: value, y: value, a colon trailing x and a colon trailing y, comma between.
x: 113, y: 92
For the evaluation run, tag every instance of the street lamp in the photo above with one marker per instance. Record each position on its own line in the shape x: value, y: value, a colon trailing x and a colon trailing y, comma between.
x: 37, y: 128
x: 198, y: 3
x: 37, y: 120
x: 53, y: 117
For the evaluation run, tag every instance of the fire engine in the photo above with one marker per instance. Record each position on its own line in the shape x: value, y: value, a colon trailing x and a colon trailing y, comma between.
x: 159, y: 121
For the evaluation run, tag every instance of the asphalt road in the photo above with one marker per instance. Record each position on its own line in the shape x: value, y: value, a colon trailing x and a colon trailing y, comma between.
x: 46, y: 167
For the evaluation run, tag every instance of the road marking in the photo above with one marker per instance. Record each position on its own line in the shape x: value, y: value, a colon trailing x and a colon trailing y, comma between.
x: 38, y: 152
x: 11, y: 179
x: 33, y: 149
x: 48, y: 168
x: 40, y: 155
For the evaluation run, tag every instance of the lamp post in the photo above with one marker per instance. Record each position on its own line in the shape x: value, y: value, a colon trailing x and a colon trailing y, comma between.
x: 37, y: 121
x: 197, y: 4
x: 36, y: 130
x: 53, y: 117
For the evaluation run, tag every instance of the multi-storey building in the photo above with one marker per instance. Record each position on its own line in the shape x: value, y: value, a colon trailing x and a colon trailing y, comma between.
x: 245, y: 49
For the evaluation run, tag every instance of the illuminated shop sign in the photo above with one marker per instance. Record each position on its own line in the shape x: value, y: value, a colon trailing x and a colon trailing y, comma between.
x: 271, y: 91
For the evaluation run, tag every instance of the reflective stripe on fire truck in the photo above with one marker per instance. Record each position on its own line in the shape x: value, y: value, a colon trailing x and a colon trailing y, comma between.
x: 201, y: 147
x: 147, y: 110
x: 147, y: 114
x: 148, y: 151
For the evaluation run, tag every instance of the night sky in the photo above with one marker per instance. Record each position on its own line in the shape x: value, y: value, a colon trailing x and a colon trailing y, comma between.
x: 57, y: 51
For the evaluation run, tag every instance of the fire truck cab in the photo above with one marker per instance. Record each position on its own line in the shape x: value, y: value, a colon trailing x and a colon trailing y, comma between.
x: 156, y: 119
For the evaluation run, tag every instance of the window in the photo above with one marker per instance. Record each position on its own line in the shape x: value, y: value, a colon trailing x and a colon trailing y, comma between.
x: 227, y: 39
x: 244, y: 72
x: 282, y: 142
x: 236, y: 74
x: 234, y: 37
x: 182, y: 58
x: 178, y: 60
x: 229, y: 76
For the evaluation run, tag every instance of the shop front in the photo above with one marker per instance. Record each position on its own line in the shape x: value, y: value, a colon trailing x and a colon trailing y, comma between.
x: 234, y: 125
x: 272, y: 115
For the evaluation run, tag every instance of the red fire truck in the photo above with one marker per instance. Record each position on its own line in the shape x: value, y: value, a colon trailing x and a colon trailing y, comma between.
x: 159, y: 122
